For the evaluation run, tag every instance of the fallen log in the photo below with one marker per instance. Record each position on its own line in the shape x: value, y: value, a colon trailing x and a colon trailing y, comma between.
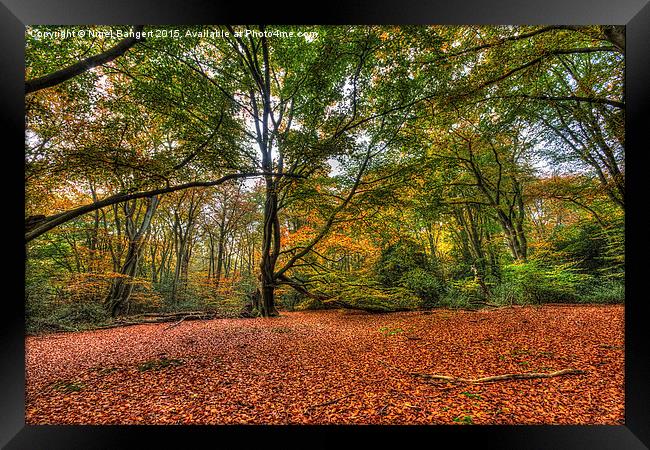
x: 162, y: 318
x: 167, y: 319
x: 170, y: 314
x: 509, y: 376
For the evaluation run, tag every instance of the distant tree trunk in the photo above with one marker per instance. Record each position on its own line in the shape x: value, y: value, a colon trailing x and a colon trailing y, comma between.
x: 121, y: 289
x: 154, y: 273
x: 509, y: 211
x: 211, y: 257
x: 165, y: 257
x: 515, y: 236
x: 179, y: 249
x: 183, y: 240
x: 120, y: 292
x: 220, y: 252
x: 93, y: 237
x: 255, y: 300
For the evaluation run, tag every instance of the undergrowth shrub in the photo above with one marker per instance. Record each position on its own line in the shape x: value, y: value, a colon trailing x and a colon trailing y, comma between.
x: 399, y: 259
x: 73, y: 316
x: 227, y: 298
x: 289, y: 299
x: 425, y: 284
x: 375, y: 298
x: 461, y: 294
x: 455, y: 299
x: 606, y: 291
x: 536, y: 282
x: 357, y: 291
x: 308, y: 303
x: 405, y: 265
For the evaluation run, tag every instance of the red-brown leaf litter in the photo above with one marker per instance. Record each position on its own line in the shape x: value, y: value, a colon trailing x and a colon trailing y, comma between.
x: 336, y: 367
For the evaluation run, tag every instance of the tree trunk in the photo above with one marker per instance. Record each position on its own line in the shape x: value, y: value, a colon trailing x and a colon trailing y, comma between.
x: 220, y: 252
x: 121, y: 289
x: 270, y: 241
x: 515, y: 237
x: 117, y: 301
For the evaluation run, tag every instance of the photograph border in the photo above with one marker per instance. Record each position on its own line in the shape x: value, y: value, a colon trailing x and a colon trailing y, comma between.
x: 635, y: 14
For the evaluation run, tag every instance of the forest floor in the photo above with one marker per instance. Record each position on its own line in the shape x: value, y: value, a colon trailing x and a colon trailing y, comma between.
x: 336, y: 367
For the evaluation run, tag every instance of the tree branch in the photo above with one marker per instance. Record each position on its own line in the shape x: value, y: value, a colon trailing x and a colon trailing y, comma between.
x: 38, y: 225
x: 84, y: 65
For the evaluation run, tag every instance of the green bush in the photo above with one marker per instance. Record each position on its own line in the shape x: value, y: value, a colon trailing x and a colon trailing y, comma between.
x: 38, y: 305
x: 425, y: 285
x: 358, y: 291
x: 535, y: 282
x: 74, y: 316
x: 405, y: 265
x: 605, y: 291
x: 289, y: 300
x: 399, y: 259
x: 454, y: 298
x: 461, y: 294
x: 583, y: 243
x: 509, y: 292
x: 591, y: 247
x: 309, y: 303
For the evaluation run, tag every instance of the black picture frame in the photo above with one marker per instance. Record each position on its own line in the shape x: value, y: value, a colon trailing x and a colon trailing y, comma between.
x: 635, y: 14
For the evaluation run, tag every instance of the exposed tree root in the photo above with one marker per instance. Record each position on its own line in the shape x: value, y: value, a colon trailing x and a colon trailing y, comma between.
x: 510, y: 376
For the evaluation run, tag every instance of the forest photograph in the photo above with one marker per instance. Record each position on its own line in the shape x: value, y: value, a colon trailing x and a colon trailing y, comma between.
x: 324, y: 224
